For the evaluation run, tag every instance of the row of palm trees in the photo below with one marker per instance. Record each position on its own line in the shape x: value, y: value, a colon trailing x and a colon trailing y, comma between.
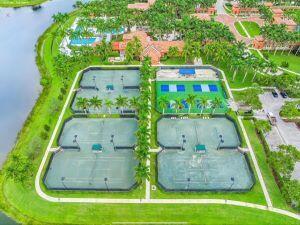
x: 143, y: 132
x: 237, y: 59
x: 191, y: 100
x: 95, y: 102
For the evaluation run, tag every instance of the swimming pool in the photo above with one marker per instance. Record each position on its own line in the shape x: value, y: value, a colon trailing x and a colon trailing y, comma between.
x: 83, y: 41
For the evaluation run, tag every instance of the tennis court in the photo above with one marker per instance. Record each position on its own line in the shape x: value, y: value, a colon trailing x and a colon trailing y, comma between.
x: 108, y: 84
x: 95, y: 154
x: 177, y: 92
x: 201, y: 154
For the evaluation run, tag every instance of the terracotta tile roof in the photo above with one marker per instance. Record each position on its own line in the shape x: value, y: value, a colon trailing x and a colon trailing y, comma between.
x: 154, y: 49
x: 202, y: 16
x: 277, y: 11
x: 140, y: 6
x: 288, y: 22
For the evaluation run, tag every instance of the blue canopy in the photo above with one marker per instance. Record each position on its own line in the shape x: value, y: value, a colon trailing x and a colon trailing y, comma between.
x: 187, y: 71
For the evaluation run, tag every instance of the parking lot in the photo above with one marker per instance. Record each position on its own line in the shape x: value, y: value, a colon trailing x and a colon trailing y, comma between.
x: 283, y: 132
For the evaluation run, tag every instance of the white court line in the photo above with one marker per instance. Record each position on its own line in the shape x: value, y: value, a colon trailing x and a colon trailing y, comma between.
x: 142, y: 201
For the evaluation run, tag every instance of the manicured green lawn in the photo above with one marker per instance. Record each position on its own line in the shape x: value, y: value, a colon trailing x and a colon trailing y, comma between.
x: 252, y: 28
x: 73, y: 213
x: 20, y: 3
x: 276, y: 197
x: 240, y: 29
x: 174, y: 61
x: 23, y: 203
x: 280, y: 57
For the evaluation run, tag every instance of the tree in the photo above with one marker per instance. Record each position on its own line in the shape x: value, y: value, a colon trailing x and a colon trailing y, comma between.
x: 263, y: 126
x: 216, y: 103
x: 284, y: 160
x: 19, y: 168
x: 173, y: 52
x: 134, y: 103
x: 95, y: 102
x: 133, y: 50
x: 163, y: 103
x: 142, y: 173
x: 191, y: 101
x: 83, y: 104
x: 109, y: 104
x: 121, y: 102
x: 204, y: 104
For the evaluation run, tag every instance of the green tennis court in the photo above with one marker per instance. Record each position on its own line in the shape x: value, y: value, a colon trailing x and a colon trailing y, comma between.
x: 201, y: 155
x: 95, y: 154
x: 173, y: 97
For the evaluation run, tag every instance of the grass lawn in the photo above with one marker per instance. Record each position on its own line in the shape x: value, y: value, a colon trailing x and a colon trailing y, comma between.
x: 240, y: 29
x: 189, y: 89
x: 22, y: 202
x: 252, y: 28
x: 276, y: 197
x: 174, y: 61
x: 20, y: 3
x: 280, y: 57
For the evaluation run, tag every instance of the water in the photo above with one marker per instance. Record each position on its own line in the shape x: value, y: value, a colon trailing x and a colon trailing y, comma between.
x: 19, y: 85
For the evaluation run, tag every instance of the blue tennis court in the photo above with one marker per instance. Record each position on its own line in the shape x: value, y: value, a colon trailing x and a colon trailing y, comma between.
x: 197, y: 88
x: 213, y: 88
x: 164, y: 88
x: 180, y: 88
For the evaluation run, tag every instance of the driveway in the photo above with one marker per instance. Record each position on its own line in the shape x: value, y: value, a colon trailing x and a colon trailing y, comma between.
x: 219, y: 7
x: 288, y: 131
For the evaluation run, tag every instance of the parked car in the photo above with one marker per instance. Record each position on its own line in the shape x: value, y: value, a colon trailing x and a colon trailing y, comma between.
x: 275, y: 94
x: 271, y: 118
x: 283, y: 94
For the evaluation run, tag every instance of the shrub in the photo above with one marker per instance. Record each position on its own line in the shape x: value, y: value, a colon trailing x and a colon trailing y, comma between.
x: 63, y: 91
x: 60, y: 97
x: 285, y: 64
x: 19, y: 168
x: 46, y: 127
x: 44, y: 135
x: 290, y: 110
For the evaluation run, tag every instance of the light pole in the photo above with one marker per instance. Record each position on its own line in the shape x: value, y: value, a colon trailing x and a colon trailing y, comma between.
x: 62, y: 181
x: 122, y: 80
x: 183, y: 142
x: 75, y: 141
x: 220, y: 142
x: 188, y: 180
x: 232, y: 182
x: 112, y: 141
x: 105, y: 181
x: 95, y: 85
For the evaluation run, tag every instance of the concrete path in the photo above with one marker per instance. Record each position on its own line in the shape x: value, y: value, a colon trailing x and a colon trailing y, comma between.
x: 220, y: 8
x: 147, y: 199
x: 229, y: 21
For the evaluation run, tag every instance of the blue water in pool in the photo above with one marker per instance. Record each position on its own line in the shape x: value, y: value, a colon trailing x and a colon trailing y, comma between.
x: 82, y: 41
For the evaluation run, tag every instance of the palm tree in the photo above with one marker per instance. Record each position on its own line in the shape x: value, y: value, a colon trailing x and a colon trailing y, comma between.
x: 190, y: 101
x: 177, y: 105
x: 134, y: 103
x: 163, y: 103
x: 121, y: 102
x: 82, y: 103
x: 141, y: 173
x: 216, y: 103
x: 109, y: 104
x: 95, y: 102
x: 204, y: 104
